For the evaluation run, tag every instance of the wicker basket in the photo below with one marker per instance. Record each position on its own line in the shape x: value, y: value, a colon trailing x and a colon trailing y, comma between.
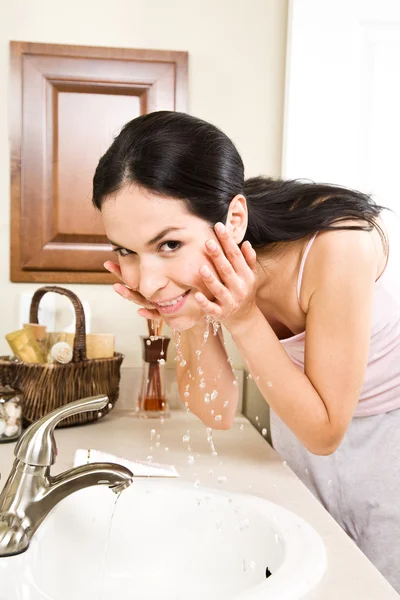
x: 49, y: 386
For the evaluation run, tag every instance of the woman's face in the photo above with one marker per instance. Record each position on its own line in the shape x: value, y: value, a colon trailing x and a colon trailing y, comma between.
x: 160, y: 247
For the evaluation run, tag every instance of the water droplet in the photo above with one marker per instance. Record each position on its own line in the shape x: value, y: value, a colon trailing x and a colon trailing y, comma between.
x: 235, y: 382
x: 221, y: 479
x: 249, y: 376
x: 198, y: 352
x: 213, y: 411
x: 197, y: 483
x: 152, y: 433
x: 284, y: 463
x: 306, y: 471
x: 249, y: 564
x: 211, y: 472
x: 149, y: 458
x: 148, y: 342
x: 229, y: 360
x: 241, y: 427
x: 218, y: 417
x: 202, y: 383
x: 110, y: 405
x: 190, y: 459
x: 207, y: 398
x: 182, y: 363
x: 186, y: 438
x: 214, y: 453
x: 166, y: 449
x: 226, y: 404
x: 214, y: 395
x: 162, y: 421
x: 157, y: 444
x: 99, y: 414
x: 264, y: 431
x: 200, y: 371
x: 329, y: 482
x: 269, y: 384
x: 161, y: 361
x: 244, y: 524
x: 256, y: 418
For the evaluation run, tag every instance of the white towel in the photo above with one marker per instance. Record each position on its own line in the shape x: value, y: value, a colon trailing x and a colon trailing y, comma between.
x: 139, y: 468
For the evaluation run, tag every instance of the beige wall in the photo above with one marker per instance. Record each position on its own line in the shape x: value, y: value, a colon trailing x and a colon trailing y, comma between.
x: 236, y: 80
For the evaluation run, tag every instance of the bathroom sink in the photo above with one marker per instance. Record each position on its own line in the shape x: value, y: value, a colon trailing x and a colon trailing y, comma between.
x: 166, y: 540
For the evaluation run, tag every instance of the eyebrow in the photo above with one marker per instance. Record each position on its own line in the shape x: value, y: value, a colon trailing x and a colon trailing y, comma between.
x: 155, y: 239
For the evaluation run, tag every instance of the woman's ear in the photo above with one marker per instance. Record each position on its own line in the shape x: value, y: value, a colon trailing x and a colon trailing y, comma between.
x: 236, y: 221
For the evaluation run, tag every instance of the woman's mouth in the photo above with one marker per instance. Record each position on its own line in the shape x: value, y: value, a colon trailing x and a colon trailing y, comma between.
x: 173, y: 306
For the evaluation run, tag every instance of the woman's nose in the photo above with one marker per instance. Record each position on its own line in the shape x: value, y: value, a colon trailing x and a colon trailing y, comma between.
x: 147, y: 280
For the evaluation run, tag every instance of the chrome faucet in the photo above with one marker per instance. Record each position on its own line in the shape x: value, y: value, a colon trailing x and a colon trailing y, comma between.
x: 31, y: 492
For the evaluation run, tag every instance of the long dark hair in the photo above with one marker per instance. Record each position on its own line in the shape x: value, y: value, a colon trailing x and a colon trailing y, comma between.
x: 180, y: 156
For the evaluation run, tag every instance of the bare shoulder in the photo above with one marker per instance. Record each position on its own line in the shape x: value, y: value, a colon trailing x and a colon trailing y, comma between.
x: 343, y: 255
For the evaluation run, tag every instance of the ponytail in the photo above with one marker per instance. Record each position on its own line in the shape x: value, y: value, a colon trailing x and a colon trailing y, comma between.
x: 292, y: 209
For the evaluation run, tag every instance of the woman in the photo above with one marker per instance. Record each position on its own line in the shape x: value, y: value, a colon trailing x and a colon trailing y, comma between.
x: 298, y: 273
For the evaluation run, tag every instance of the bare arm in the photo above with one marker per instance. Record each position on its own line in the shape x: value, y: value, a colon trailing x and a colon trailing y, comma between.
x: 318, y: 404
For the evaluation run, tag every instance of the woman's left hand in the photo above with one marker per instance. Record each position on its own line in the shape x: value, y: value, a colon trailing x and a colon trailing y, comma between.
x: 235, y: 292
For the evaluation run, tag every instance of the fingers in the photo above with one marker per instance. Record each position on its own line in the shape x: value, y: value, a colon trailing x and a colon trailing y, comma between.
x: 230, y: 249
x: 125, y: 292
x: 148, y: 311
x: 231, y: 262
x: 210, y: 308
x: 149, y: 314
x: 218, y: 290
x: 250, y: 255
x: 113, y: 268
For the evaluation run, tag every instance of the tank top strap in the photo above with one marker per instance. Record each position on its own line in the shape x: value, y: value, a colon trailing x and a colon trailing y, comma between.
x: 302, y: 265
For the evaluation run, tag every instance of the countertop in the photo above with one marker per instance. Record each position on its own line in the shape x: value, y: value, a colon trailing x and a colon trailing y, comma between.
x: 249, y: 465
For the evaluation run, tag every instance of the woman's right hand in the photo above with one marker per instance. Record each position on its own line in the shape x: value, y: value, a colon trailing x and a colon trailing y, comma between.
x: 148, y: 312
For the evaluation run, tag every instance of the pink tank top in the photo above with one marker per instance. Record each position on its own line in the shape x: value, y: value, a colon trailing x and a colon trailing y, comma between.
x: 381, y: 390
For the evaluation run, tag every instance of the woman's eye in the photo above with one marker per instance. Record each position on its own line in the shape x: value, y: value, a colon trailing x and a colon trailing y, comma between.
x: 170, y: 246
x: 122, y: 251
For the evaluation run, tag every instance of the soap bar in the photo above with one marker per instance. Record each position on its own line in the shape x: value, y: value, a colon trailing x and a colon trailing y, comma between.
x: 24, y: 345
x: 98, y: 345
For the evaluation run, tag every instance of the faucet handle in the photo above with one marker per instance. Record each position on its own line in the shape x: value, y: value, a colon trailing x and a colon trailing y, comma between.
x: 37, y: 446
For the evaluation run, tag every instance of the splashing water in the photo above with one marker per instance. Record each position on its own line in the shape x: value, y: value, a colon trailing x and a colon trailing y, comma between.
x: 211, y: 441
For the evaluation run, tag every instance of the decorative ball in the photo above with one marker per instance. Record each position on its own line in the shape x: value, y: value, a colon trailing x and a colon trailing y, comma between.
x: 61, y: 352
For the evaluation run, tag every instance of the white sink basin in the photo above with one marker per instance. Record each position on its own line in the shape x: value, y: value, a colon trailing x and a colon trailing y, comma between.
x: 168, y: 540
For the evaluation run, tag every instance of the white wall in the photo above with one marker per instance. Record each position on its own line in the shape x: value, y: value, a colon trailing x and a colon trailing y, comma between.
x: 236, y: 80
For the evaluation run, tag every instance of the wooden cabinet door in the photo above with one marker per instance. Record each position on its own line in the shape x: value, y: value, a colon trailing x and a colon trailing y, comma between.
x: 67, y: 105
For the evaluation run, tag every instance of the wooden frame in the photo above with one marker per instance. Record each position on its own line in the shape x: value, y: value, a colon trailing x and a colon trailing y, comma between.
x: 44, y: 248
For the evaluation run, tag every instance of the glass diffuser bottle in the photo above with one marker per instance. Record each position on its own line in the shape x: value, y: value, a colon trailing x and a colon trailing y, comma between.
x: 152, y: 401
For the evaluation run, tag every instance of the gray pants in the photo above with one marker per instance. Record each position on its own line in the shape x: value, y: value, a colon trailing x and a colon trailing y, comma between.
x: 359, y: 484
